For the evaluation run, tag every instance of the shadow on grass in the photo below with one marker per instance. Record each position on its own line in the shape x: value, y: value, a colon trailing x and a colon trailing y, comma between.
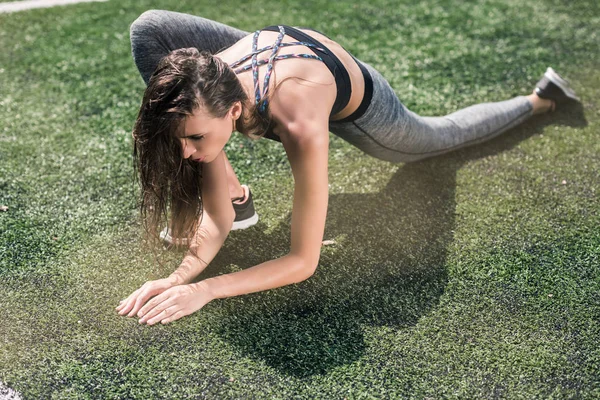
x: 386, y: 269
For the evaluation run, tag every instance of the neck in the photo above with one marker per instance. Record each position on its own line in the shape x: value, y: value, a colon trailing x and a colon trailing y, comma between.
x: 245, y: 77
x: 241, y: 122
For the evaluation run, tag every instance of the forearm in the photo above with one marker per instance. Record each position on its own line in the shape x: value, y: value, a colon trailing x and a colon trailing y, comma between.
x: 268, y: 275
x: 206, y: 244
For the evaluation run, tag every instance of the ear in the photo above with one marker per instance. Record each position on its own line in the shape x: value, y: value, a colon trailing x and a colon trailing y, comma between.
x: 236, y: 110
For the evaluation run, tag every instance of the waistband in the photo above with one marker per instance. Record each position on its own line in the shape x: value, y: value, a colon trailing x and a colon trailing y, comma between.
x: 368, y: 95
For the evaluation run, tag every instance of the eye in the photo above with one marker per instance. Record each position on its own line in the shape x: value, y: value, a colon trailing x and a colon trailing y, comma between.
x: 196, y: 137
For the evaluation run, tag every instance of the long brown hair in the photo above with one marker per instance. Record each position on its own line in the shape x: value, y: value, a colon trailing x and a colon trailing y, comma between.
x: 184, y: 80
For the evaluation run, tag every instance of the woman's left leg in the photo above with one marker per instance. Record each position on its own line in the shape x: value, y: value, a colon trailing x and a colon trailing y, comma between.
x: 389, y: 131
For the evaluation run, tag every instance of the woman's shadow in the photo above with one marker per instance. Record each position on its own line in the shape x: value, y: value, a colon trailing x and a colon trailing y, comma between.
x: 387, y: 267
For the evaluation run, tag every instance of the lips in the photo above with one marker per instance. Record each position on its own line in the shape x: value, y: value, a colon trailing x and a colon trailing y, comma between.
x: 199, y: 159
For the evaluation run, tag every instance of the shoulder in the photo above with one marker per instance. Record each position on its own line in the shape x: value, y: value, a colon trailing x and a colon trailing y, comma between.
x: 302, y: 104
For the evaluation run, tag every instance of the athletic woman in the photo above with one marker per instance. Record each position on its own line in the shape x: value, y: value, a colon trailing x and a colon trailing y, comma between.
x: 293, y: 85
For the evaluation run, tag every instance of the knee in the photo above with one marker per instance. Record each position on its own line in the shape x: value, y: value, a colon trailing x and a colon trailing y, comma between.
x: 146, y: 21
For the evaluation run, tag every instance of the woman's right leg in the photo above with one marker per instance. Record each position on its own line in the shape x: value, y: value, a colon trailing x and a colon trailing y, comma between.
x: 156, y: 33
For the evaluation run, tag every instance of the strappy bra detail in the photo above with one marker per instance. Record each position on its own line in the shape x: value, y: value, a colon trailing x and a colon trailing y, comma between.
x: 261, y: 100
x: 342, y: 78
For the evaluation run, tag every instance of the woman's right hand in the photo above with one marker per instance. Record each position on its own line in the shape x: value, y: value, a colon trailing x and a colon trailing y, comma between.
x: 132, y: 304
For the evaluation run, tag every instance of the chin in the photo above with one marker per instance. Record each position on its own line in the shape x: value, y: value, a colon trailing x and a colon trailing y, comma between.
x: 209, y: 158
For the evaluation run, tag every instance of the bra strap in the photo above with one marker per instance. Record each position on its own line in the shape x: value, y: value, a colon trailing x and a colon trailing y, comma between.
x: 261, y: 101
x: 262, y: 107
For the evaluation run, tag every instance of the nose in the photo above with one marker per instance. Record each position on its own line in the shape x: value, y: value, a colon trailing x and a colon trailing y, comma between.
x: 187, y: 149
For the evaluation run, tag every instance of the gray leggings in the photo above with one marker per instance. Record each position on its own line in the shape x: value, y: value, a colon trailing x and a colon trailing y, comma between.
x: 387, y: 130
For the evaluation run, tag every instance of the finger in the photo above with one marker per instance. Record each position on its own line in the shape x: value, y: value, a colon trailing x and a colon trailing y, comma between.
x: 166, y: 313
x: 121, y: 304
x: 129, y: 302
x: 142, y: 299
x: 157, y: 310
x: 127, y: 306
x: 139, y: 302
x: 173, y: 317
x: 153, y: 303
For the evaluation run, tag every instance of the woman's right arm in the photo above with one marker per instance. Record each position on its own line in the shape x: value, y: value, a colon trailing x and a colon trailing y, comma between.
x: 216, y: 223
x: 205, y: 245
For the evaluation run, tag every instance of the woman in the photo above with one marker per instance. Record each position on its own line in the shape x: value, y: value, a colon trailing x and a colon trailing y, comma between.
x: 288, y: 84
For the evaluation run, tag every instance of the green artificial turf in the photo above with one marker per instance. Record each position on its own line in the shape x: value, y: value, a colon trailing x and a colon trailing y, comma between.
x: 471, y: 275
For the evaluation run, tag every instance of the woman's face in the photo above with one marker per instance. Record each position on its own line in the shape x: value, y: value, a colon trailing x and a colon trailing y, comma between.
x: 205, y: 136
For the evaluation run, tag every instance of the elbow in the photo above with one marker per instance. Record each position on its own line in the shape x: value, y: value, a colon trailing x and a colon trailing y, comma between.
x: 301, y: 267
x: 310, y: 272
x: 308, y: 269
x: 311, y: 267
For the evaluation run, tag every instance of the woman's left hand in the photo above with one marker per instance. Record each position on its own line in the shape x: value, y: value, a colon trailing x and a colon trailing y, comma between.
x: 175, y: 303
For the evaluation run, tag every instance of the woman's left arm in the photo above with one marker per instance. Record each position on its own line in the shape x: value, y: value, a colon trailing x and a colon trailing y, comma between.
x: 308, y: 159
x: 302, y: 112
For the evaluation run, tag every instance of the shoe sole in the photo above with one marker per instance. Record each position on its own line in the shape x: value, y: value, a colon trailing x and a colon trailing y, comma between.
x: 246, y: 223
x: 561, y: 83
x: 166, y: 237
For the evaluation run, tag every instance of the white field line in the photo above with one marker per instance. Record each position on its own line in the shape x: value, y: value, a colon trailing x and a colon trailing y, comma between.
x: 7, y: 393
x: 27, y: 5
